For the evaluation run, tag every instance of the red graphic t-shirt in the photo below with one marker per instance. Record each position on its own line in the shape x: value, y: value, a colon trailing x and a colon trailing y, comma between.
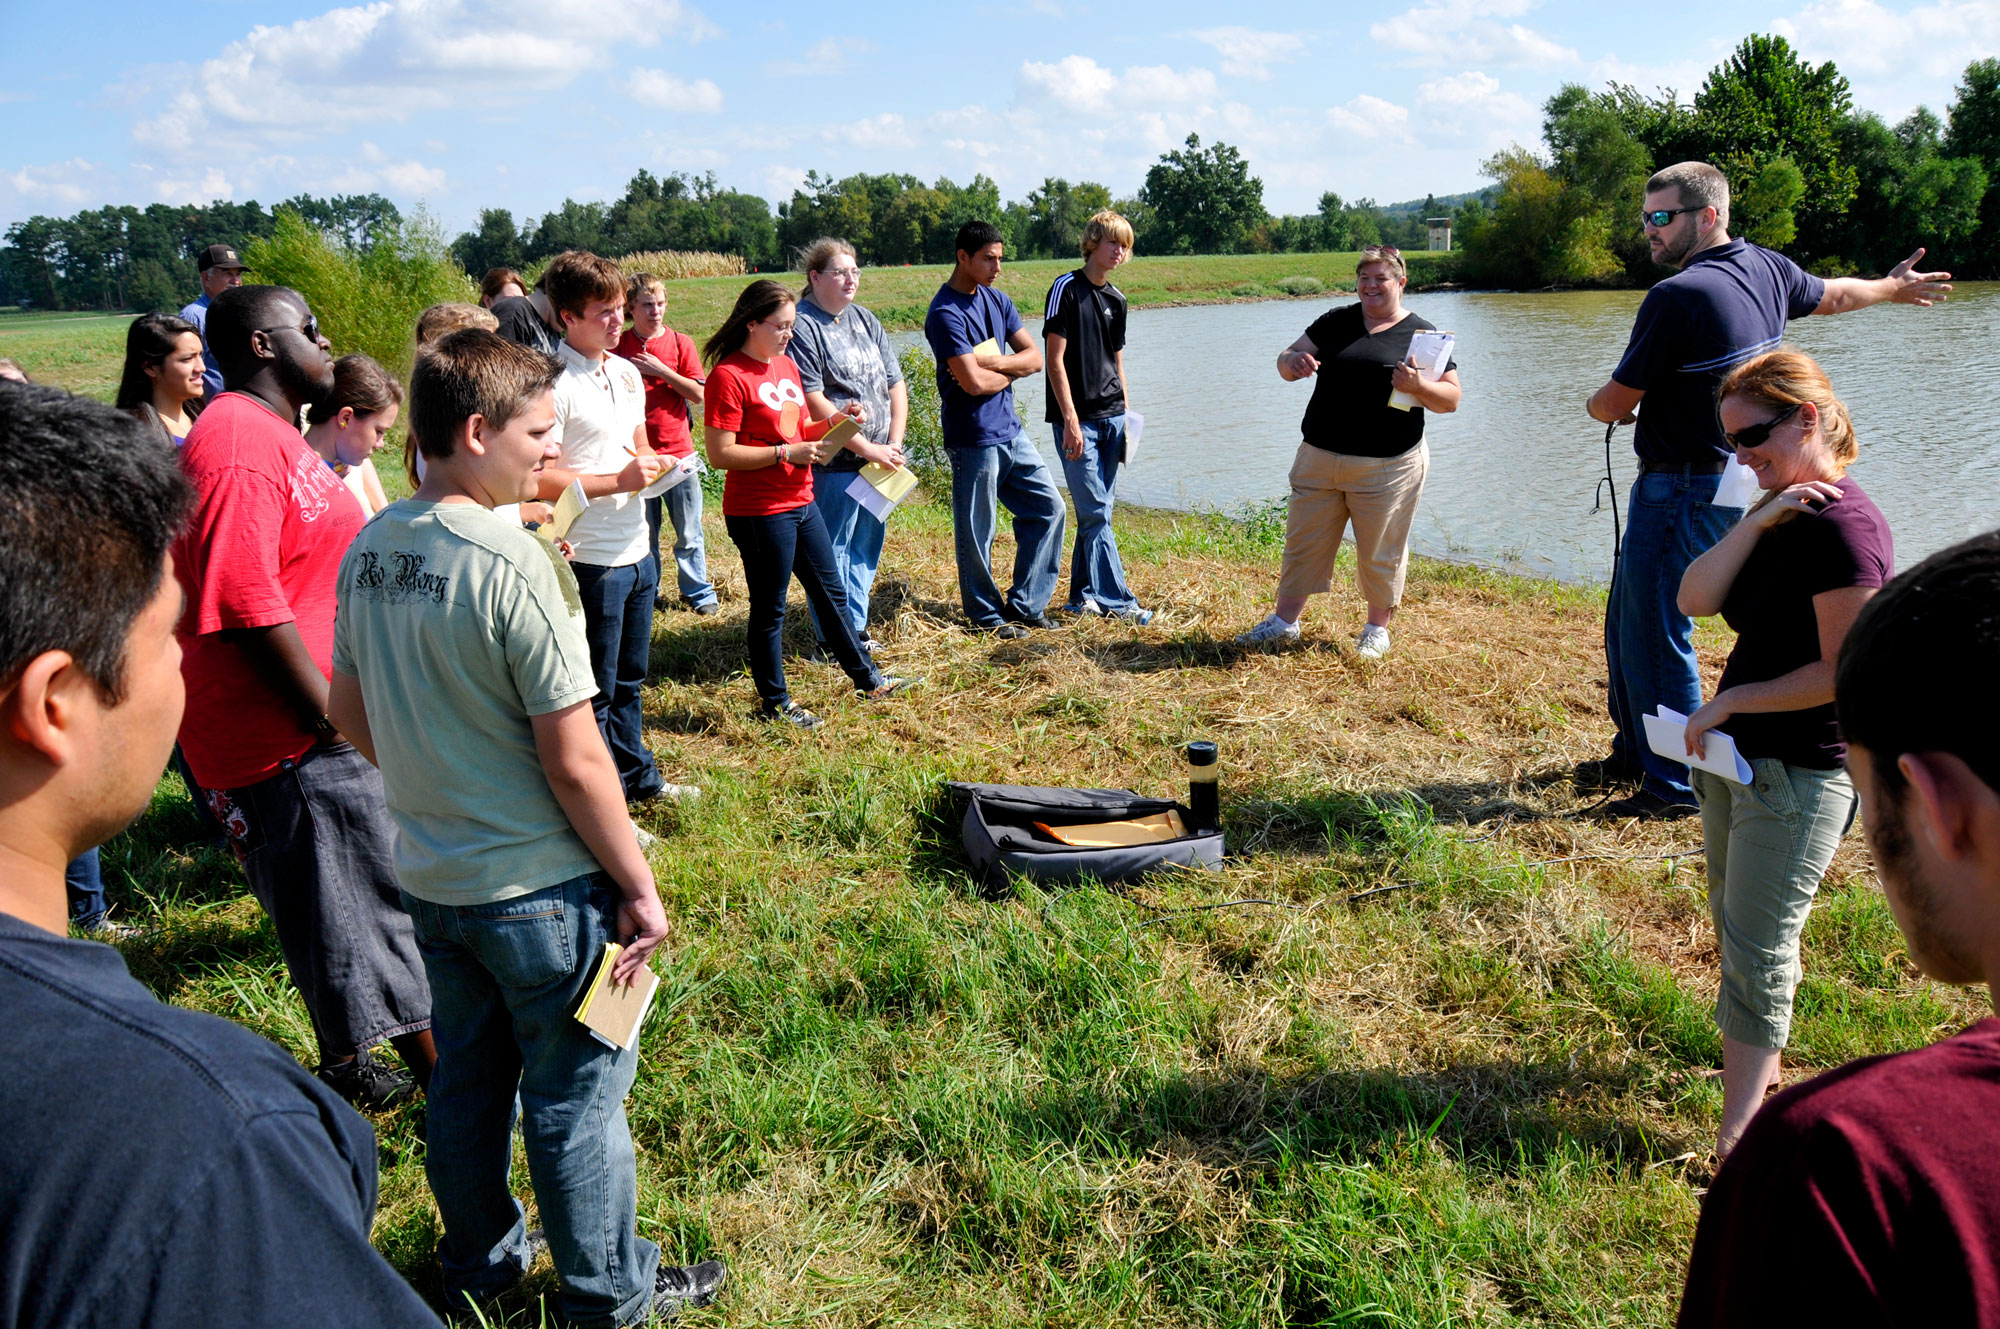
x: 765, y: 406
x: 263, y: 547
x: 666, y: 409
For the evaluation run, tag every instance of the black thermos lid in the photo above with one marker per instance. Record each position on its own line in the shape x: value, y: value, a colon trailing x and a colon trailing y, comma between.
x: 1201, y: 753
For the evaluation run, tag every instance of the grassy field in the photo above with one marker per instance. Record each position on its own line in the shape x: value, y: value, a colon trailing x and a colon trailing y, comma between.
x: 83, y: 352
x: 1432, y: 1050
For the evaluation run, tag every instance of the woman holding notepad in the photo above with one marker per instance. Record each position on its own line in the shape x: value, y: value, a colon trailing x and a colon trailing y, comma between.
x: 757, y: 431
x: 1363, y: 458
x: 1790, y: 579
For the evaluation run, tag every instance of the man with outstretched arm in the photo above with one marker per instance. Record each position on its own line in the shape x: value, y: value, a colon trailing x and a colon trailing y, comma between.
x: 1729, y: 300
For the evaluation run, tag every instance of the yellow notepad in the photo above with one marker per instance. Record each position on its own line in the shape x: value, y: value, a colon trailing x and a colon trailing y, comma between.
x: 1107, y: 834
x: 613, y: 1012
x: 844, y: 427
x: 880, y: 488
x: 571, y: 505
x: 991, y: 346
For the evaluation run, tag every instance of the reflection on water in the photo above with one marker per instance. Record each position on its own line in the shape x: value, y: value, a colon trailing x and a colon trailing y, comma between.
x: 1513, y: 471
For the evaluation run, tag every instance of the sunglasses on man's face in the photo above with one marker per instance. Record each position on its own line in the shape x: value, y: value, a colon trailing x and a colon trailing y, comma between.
x: 308, y: 329
x: 1758, y: 434
x: 1659, y: 217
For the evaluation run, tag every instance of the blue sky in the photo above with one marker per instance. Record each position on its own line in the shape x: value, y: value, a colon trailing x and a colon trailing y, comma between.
x: 463, y: 104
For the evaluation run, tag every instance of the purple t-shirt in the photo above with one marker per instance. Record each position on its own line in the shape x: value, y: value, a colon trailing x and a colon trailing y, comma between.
x: 1770, y: 606
x: 1870, y: 1195
x: 1728, y: 304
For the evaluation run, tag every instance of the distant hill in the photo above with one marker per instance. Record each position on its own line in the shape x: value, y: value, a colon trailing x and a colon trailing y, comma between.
x: 1440, y: 205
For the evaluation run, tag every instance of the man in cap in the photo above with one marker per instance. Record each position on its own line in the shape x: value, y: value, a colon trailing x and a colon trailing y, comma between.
x: 220, y: 269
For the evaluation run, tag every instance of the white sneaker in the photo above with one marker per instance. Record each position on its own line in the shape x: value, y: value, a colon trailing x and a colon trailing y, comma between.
x: 1373, y: 643
x: 1272, y: 629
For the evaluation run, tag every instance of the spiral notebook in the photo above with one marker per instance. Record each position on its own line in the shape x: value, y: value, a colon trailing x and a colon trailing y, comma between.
x: 613, y: 1011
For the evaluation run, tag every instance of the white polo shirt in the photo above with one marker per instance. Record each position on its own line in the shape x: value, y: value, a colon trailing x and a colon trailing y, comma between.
x: 597, y: 408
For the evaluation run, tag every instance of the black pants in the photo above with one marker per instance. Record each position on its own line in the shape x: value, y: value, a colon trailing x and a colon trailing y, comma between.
x: 773, y: 548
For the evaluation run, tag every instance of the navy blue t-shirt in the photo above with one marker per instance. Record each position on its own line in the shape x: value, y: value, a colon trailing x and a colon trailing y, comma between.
x: 1728, y: 304
x: 163, y: 1168
x: 957, y: 323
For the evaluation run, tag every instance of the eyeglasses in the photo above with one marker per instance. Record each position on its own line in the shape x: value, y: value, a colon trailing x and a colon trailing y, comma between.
x: 308, y: 329
x: 1758, y: 434
x: 1661, y: 216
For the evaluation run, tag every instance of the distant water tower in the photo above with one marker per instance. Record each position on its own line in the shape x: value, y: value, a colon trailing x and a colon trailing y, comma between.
x: 1440, y: 232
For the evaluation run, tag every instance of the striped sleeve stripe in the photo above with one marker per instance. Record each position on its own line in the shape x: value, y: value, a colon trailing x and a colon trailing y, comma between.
x: 1056, y: 295
x: 1734, y: 357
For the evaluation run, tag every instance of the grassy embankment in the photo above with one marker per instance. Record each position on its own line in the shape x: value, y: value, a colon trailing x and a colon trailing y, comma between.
x: 1452, y: 1066
x: 83, y: 352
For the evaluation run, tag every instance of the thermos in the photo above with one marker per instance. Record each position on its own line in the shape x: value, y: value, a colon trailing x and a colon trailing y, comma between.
x: 1203, y: 768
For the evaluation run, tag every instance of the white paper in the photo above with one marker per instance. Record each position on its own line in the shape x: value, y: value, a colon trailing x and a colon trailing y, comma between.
x: 1135, y: 423
x: 868, y: 496
x: 1666, y: 734
x: 1432, y: 352
x: 678, y: 470
x: 1737, y: 486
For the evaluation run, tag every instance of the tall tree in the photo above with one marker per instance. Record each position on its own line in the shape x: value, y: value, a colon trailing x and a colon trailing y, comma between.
x: 1974, y: 131
x: 495, y: 244
x: 1204, y: 200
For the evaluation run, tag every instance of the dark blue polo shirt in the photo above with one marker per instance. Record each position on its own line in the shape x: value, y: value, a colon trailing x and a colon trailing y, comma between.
x: 1728, y: 304
x: 957, y: 323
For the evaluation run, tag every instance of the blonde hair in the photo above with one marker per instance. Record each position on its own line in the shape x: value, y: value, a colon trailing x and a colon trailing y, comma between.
x: 442, y: 320
x: 1787, y: 377
x: 1388, y: 256
x: 1106, y: 225
x: 815, y: 256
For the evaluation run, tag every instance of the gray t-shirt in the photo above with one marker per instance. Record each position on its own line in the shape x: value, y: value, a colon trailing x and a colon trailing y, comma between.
x: 461, y: 627
x: 847, y: 357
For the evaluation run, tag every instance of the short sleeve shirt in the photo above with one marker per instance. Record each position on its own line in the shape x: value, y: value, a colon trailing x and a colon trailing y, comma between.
x: 261, y: 548
x: 764, y: 405
x: 1091, y: 320
x: 957, y: 323
x: 461, y: 627
x: 1350, y: 412
x: 598, y: 407
x: 1770, y: 605
x: 1728, y: 304
x: 521, y: 323
x: 666, y: 409
x: 847, y: 356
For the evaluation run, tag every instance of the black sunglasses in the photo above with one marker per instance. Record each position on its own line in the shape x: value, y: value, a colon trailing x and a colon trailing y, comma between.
x: 1756, y: 435
x: 1661, y: 216
x: 308, y: 329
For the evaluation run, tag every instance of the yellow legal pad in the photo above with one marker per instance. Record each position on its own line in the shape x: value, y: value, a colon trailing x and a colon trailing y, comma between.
x: 613, y: 1012
x: 1110, y: 834
x: 891, y: 482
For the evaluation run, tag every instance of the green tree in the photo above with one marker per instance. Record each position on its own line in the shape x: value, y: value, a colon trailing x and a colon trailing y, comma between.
x: 495, y: 244
x: 1974, y: 132
x: 1057, y: 213
x: 1204, y: 200
x: 903, y: 232
x: 1762, y: 208
x: 1912, y: 193
x: 574, y: 225
x: 352, y: 219
x: 1542, y: 232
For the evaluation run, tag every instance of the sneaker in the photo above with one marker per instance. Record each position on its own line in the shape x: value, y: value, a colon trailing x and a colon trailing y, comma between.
x: 891, y: 686
x: 676, y: 1287
x: 1041, y: 621
x: 704, y: 609
x: 368, y: 1082
x: 1373, y: 643
x: 1604, y: 773
x: 110, y: 931
x: 1649, y: 806
x: 673, y: 793
x: 1088, y: 609
x: 1007, y: 631
x: 1136, y: 616
x: 1272, y: 629
x: 792, y: 714
x: 646, y: 839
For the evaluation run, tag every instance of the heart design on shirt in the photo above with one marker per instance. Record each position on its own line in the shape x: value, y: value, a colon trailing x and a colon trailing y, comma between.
x: 787, y: 399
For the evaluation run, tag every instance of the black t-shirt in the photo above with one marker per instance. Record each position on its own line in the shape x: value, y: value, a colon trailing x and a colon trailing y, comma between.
x: 1092, y: 319
x: 1770, y: 605
x: 1350, y: 412
x: 521, y: 323
x: 163, y: 1168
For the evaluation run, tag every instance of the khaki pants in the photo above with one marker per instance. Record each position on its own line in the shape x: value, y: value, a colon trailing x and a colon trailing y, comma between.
x: 1378, y: 494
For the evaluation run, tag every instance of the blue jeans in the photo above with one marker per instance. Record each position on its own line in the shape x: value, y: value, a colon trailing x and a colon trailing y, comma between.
x: 1648, y: 641
x: 775, y: 546
x: 682, y: 506
x: 83, y: 880
x: 505, y: 981
x: 618, y: 622
x: 982, y: 479
x: 1095, y: 572
x: 856, y: 535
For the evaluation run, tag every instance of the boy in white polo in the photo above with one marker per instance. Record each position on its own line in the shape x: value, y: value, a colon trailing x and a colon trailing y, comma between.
x: 600, y: 404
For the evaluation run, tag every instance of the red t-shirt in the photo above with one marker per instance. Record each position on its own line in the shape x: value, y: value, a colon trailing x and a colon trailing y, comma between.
x: 765, y: 406
x: 262, y: 547
x: 1870, y: 1195
x: 666, y: 409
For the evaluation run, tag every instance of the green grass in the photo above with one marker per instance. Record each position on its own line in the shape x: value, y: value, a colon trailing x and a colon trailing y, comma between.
x: 1477, y: 1097
x: 81, y: 352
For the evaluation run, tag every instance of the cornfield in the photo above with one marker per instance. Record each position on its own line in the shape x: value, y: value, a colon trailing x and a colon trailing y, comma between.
x: 672, y: 264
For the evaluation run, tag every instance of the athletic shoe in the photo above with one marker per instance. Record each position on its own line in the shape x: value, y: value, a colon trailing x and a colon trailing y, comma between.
x: 891, y: 686
x: 792, y: 714
x: 1604, y: 773
x: 1649, y: 806
x: 1088, y: 609
x: 1136, y: 616
x: 675, y: 1287
x: 1041, y: 621
x: 1272, y: 630
x: 673, y: 793
x: 1373, y: 643
x: 368, y: 1082
x: 1006, y: 631
x: 711, y: 607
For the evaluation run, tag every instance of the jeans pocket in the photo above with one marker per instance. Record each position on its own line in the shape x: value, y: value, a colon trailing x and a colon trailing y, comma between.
x: 1772, y: 787
x: 528, y: 942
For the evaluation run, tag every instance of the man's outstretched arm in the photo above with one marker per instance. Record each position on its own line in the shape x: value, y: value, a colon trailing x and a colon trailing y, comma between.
x: 1904, y: 286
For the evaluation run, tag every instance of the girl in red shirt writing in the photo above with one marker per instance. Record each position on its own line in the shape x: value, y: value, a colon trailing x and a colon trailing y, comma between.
x: 756, y: 430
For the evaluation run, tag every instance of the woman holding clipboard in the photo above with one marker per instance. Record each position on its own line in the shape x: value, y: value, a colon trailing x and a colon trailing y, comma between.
x: 1363, y: 459
x: 756, y: 430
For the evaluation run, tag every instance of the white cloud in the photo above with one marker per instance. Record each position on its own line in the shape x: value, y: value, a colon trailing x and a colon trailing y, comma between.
x: 1470, y: 32
x: 212, y: 184
x: 1248, y: 53
x: 1371, y: 120
x: 70, y: 184
x: 657, y: 88
x: 1895, y: 58
x: 1078, y: 84
x: 414, y: 178
x: 829, y: 55
x: 1473, y: 107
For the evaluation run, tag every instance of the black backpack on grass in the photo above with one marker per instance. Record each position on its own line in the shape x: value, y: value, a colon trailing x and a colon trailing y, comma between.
x: 1000, y: 836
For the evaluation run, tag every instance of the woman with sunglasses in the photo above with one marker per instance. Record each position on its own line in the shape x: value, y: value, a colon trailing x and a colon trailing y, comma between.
x: 1790, y: 579
x: 1362, y: 460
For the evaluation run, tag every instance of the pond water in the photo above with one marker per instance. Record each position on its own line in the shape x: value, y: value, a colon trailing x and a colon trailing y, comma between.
x: 1513, y: 471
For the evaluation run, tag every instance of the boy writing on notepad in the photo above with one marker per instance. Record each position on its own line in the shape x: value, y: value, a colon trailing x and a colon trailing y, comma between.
x: 460, y: 667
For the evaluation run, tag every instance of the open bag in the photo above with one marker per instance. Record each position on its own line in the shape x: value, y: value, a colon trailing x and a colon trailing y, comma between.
x: 1000, y: 836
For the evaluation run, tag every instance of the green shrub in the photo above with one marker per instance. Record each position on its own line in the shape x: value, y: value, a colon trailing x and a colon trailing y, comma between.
x: 1248, y: 288
x: 923, y: 433
x: 1301, y: 285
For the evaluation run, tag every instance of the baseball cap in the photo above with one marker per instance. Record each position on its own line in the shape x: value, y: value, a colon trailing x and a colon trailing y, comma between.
x: 217, y: 256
